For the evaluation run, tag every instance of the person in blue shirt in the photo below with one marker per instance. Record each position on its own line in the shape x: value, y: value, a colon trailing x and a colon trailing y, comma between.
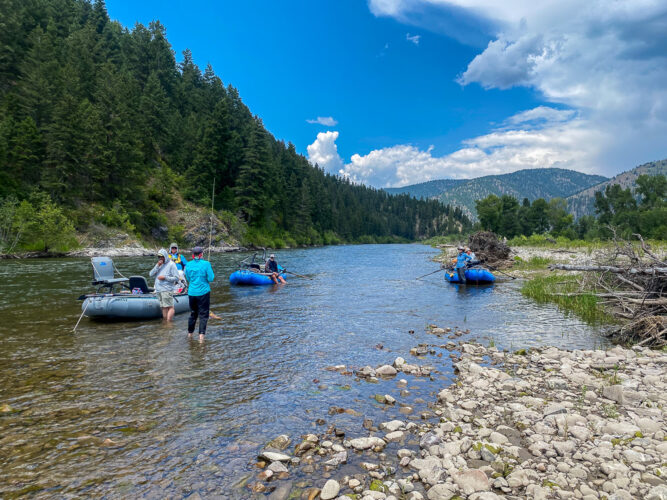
x: 461, y: 260
x: 199, y: 274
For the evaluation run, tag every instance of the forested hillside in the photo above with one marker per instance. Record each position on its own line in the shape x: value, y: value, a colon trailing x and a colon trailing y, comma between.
x: 102, y: 123
x: 583, y: 202
x: 429, y: 189
x: 534, y: 183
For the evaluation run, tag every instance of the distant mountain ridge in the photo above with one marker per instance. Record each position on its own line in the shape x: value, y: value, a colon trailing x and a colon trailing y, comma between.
x: 428, y: 189
x: 583, y: 202
x: 529, y: 183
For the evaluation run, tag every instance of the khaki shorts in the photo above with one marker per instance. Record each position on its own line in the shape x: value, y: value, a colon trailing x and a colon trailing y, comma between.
x: 166, y: 299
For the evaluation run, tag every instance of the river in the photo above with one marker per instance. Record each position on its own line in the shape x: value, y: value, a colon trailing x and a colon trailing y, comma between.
x: 136, y: 409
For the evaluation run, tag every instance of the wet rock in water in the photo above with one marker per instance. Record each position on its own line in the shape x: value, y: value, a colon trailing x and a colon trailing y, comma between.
x: 330, y: 490
x: 265, y: 475
x: 366, y: 372
x: 337, y: 459
x: 368, y: 423
x: 282, y: 492
x: 429, y: 439
x: 310, y: 494
x: 280, y: 443
x: 277, y: 467
x: 273, y: 456
x: 386, y: 371
x: 392, y: 426
x: 5, y: 408
x: 394, y: 436
x: 380, y: 399
x: 366, y: 443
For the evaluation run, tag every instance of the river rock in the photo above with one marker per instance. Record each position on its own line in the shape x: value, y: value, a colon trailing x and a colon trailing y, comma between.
x: 277, y: 467
x: 394, y: 436
x: 392, y: 426
x: 441, y: 492
x: 620, y: 429
x: 272, y: 456
x: 366, y: 443
x: 386, y: 371
x: 471, y: 481
x: 281, y: 442
x: 337, y: 459
x: 330, y: 490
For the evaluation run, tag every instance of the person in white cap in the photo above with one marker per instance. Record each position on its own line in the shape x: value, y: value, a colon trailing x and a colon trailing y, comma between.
x: 271, y: 267
x: 461, y: 260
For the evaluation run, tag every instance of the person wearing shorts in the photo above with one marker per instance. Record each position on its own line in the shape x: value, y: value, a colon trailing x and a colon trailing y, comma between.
x: 166, y: 283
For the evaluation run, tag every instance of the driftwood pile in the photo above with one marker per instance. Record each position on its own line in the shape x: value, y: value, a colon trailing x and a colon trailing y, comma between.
x: 631, y: 280
x: 488, y: 247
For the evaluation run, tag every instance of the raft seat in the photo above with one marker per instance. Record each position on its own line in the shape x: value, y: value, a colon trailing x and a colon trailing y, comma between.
x: 140, y: 283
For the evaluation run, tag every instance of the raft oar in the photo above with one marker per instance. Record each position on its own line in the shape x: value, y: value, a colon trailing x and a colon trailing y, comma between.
x: 84, y: 312
x: 294, y: 274
x: 441, y: 269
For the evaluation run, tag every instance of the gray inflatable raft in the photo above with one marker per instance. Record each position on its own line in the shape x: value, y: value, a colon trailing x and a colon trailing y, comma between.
x: 129, y: 306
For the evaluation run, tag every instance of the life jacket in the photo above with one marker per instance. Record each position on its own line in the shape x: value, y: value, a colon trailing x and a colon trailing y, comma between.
x: 176, y: 259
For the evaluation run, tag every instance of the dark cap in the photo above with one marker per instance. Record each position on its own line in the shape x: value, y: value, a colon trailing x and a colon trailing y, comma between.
x: 197, y: 250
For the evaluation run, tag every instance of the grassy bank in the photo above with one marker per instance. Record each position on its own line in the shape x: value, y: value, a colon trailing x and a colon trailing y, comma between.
x: 564, y: 291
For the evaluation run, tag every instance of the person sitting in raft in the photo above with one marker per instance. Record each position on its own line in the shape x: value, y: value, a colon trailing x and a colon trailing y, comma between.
x: 178, y: 259
x: 473, y: 257
x: 461, y: 260
x: 271, y: 266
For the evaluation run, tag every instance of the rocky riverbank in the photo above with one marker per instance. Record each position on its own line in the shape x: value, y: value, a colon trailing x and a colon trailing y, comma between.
x: 539, y: 424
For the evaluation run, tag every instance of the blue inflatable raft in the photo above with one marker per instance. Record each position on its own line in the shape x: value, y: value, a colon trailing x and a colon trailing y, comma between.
x: 252, y: 278
x: 474, y: 276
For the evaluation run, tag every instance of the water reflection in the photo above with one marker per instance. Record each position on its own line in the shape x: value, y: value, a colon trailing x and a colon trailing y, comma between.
x: 127, y: 409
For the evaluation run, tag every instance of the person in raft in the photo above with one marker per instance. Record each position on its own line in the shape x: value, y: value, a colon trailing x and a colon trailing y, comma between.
x: 199, y: 274
x: 461, y: 260
x: 166, y: 283
x: 271, y: 266
x: 180, y: 262
x: 473, y: 257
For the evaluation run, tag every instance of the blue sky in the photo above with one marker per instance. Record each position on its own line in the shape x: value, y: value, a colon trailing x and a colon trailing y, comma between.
x: 413, y: 90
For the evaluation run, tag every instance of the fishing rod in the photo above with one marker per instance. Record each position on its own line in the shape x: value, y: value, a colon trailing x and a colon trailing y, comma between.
x: 298, y: 275
x: 499, y: 271
x: 441, y: 269
x: 210, y: 234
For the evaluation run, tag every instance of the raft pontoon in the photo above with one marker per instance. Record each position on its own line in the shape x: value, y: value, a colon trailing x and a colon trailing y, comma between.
x: 132, y: 300
x: 474, y: 276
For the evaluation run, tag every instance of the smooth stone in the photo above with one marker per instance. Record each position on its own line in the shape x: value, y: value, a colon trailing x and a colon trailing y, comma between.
x: 330, y: 490
x: 386, y: 371
x: 272, y: 456
x: 441, y: 492
x: 394, y: 436
x: 471, y: 481
x: 367, y: 443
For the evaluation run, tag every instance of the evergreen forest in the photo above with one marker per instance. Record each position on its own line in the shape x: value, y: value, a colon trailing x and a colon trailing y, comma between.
x: 618, y: 211
x: 100, y: 124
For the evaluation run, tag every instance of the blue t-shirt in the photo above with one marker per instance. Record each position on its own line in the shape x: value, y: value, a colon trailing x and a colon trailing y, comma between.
x: 462, y: 259
x: 199, y: 274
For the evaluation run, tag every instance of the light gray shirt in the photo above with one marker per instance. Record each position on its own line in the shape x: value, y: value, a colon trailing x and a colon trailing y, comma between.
x: 171, y: 278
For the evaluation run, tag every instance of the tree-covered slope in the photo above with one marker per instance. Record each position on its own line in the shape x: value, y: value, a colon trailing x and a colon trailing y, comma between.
x: 536, y: 183
x: 583, y: 202
x: 104, y: 121
x: 426, y: 190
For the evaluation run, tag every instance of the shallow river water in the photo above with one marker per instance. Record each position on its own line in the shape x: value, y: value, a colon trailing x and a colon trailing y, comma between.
x: 136, y: 409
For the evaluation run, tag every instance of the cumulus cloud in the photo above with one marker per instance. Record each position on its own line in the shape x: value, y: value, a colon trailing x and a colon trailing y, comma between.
x: 327, y: 121
x: 606, y: 60
x: 412, y: 38
x: 557, y: 142
x: 324, y: 152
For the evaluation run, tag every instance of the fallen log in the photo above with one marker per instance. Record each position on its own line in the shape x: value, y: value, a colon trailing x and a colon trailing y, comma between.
x: 650, y: 271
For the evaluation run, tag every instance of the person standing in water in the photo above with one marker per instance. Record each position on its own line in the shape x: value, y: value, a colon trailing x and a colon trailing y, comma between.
x: 166, y: 283
x: 199, y: 274
x: 461, y: 260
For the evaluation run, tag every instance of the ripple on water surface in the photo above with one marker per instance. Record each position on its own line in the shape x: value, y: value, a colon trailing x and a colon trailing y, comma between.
x: 134, y: 408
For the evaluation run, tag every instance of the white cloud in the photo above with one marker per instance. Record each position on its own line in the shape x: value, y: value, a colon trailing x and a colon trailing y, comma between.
x: 327, y: 121
x: 324, y: 152
x: 606, y: 60
x: 556, y: 143
x: 414, y: 38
